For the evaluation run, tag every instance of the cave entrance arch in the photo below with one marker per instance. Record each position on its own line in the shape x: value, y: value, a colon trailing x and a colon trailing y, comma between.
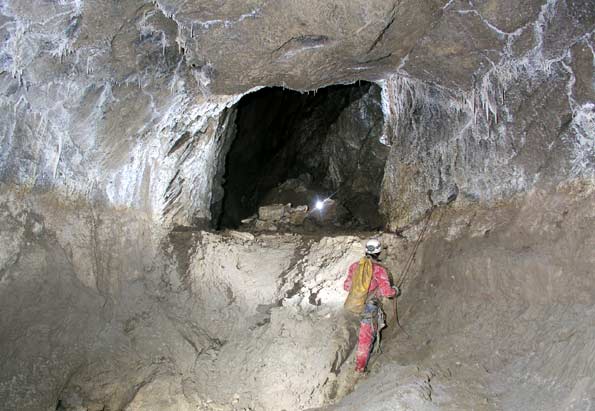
x: 288, y: 146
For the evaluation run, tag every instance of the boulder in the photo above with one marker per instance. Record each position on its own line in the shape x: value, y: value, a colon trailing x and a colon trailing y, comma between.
x: 273, y: 212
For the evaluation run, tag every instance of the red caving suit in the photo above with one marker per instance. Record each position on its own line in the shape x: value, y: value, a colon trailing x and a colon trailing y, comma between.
x: 379, y: 287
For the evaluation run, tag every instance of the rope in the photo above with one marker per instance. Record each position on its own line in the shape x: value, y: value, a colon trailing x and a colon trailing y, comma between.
x: 397, y: 319
x: 410, y: 262
x: 414, y: 251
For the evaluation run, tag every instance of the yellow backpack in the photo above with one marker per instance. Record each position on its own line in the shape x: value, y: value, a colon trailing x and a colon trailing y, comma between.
x: 360, y: 283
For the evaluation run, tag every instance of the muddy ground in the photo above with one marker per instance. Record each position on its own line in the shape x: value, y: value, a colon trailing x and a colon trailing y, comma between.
x: 496, y: 312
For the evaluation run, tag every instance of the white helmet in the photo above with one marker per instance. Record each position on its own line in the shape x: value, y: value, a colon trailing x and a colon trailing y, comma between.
x: 373, y: 246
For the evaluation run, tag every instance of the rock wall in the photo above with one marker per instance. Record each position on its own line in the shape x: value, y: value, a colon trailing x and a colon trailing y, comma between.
x: 126, y: 103
x: 526, y: 122
x: 98, y: 105
x: 121, y: 145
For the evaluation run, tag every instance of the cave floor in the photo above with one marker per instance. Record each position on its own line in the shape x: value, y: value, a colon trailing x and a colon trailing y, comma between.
x: 234, y: 320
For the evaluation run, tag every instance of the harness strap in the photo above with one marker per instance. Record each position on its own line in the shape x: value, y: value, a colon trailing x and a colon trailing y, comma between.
x: 381, y: 324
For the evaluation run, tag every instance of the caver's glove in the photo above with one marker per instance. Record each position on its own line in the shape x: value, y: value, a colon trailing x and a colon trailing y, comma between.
x: 397, y: 290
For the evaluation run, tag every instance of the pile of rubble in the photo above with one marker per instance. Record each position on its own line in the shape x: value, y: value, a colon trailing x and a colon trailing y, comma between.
x: 274, y: 217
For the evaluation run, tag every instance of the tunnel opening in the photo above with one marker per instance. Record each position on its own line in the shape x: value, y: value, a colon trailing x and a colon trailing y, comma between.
x: 303, y: 148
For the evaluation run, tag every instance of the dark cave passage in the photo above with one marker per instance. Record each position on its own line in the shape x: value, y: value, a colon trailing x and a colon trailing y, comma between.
x: 293, y: 147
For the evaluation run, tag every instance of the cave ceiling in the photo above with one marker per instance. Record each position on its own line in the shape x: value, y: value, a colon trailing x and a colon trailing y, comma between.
x: 233, y: 46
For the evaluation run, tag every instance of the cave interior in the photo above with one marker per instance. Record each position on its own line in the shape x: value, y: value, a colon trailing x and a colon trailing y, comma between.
x: 149, y: 260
